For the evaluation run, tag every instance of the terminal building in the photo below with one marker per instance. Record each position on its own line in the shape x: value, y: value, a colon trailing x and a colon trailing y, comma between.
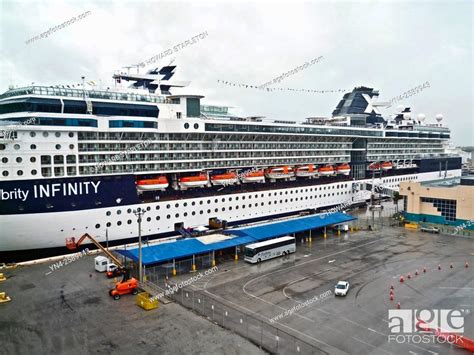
x: 448, y: 202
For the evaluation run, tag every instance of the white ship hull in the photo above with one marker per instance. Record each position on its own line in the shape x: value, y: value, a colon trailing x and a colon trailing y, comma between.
x: 35, y: 231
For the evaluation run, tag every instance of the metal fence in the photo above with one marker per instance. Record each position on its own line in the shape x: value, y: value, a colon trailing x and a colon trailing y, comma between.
x: 253, y: 327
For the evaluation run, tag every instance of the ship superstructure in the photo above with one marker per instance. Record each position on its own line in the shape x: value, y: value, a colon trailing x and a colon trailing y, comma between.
x: 76, y: 160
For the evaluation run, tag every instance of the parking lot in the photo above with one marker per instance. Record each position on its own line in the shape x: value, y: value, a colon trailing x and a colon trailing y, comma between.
x: 357, y: 323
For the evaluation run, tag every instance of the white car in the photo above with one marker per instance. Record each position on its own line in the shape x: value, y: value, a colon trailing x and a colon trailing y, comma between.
x: 341, y: 288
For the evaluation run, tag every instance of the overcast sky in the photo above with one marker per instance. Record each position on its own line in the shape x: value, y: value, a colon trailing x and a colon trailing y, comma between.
x: 392, y: 46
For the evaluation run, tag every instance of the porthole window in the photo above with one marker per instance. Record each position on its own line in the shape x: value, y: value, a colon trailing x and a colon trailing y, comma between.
x: 185, y: 204
x: 58, y: 146
x: 157, y: 208
x: 5, y: 160
x: 216, y: 210
x: 97, y: 226
x: 108, y: 213
x: 157, y: 218
x: 148, y: 219
x: 196, y: 126
x: 32, y: 134
x: 186, y: 125
x: 129, y: 210
x: 45, y: 134
x: 16, y: 146
x: 70, y: 134
x: 71, y: 146
x: 119, y: 211
x: 201, y: 212
x: 168, y: 206
x: 177, y: 215
x: 185, y: 214
x: 34, y: 172
x: 108, y: 224
x: 176, y: 205
x: 119, y: 223
x: 32, y: 159
x: 57, y: 134
x: 168, y: 216
x: 19, y: 172
x: 201, y: 202
x: 5, y: 173
x: 193, y: 213
x: 193, y: 203
x: 208, y: 211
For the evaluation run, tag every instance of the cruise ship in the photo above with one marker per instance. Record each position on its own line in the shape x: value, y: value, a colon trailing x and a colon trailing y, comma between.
x: 81, y: 159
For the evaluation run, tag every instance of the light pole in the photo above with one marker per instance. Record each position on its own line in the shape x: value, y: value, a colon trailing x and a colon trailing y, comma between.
x: 139, y: 213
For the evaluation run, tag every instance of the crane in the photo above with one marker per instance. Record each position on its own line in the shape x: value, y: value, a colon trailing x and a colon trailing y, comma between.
x: 127, y: 285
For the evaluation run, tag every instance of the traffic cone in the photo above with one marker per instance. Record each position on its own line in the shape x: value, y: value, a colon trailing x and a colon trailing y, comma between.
x: 402, y: 279
x: 391, y: 297
x: 398, y: 305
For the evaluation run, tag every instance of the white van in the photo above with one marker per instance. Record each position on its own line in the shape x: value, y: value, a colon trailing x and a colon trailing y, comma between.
x: 101, y: 263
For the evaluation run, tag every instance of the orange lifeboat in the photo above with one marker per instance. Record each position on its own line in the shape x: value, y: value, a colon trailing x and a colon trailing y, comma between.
x: 282, y: 172
x: 224, y: 179
x: 343, y: 169
x: 159, y: 183
x: 193, y: 181
x: 327, y: 170
x: 306, y: 171
x: 386, y: 165
x: 253, y: 176
x: 374, y: 166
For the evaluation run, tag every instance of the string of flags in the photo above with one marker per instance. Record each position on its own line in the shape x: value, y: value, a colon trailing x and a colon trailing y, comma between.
x: 248, y: 86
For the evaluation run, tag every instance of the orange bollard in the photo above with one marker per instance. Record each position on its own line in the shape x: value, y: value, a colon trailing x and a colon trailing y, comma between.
x: 398, y: 305
x: 391, y: 293
x: 391, y: 297
x: 402, y: 279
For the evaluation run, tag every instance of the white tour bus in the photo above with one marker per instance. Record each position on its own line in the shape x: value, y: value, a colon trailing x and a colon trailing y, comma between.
x: 257, y: 252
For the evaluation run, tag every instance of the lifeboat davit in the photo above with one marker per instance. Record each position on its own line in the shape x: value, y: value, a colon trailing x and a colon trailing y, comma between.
x: 282, y: 172
x: 159, y: 183
x: 253, y: 176
x: 343, y: 169
x: 386, y: 165
x: 306, y: 171
x: 374, y: 166
x: 194, y: 181
x: 327, y: 170
x: 224, y: 179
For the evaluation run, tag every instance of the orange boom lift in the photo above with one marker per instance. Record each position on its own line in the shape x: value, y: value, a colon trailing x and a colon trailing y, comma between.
x: 127, y: 285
